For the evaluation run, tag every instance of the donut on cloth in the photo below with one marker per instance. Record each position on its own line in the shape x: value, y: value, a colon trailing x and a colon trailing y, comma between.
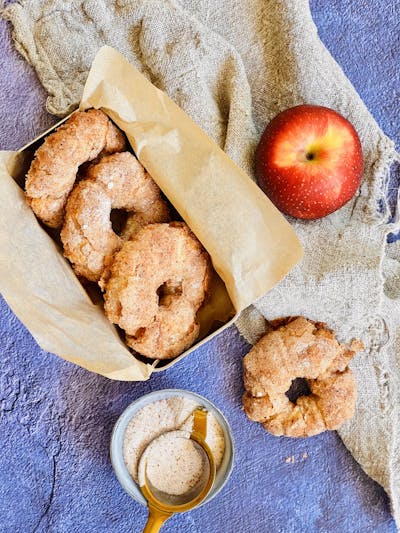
x: 299, y: 348
x: 118, y: 181
x: 53, y: 171
x: 154, y: 288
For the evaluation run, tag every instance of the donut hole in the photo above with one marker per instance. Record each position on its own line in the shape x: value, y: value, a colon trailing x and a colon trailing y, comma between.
x: 167, y: 289
x: 118, y: 219
x: 139, y: 333
x: 299, y: 387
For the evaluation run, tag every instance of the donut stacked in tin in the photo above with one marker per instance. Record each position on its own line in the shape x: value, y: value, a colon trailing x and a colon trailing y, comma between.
x: 116, y: 231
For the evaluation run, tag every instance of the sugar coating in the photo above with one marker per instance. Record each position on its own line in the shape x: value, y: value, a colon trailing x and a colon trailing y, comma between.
x: 162, y: 416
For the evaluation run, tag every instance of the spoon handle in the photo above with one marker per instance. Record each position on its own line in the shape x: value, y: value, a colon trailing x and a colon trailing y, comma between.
x: 200, y: 422
x: 155, y: 520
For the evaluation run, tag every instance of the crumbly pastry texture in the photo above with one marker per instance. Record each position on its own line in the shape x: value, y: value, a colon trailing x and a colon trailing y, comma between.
x: 117, y: 181
x: 154, y: 287
x: 54, y: 169
x: 299, y: 348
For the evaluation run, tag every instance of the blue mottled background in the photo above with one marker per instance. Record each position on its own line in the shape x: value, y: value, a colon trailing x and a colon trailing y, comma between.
x: 56, y: 419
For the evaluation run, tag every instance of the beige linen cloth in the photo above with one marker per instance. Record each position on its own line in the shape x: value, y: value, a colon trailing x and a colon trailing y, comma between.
x: 232, y: 65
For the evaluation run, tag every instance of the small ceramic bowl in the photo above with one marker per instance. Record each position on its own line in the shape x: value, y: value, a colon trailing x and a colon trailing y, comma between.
x: 117, y: 440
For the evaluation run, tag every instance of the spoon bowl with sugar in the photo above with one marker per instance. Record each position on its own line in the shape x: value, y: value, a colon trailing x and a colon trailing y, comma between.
x: 176, y: 472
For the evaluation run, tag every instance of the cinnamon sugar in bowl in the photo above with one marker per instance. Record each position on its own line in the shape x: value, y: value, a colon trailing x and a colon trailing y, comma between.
x: 156, y: 414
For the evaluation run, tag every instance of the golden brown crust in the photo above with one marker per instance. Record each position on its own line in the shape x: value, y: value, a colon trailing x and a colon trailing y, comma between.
x: 170, y: 333
x: 158, y: 213
x: 154, y: 287
x: 54, y: 169
x: 87, y: 234
x: 128, y: 183
x: 335, y: 396
x: 117, y: 181
x: 299, y: 348
x: 257, y: 409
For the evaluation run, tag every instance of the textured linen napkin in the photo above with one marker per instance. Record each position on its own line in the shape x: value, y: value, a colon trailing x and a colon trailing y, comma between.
x: 232, y: 65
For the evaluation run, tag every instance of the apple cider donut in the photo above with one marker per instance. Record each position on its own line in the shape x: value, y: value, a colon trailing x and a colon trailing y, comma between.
x: 53, y: 171
x: 299, y: 348
x: 118, y: 181
x: 154, y: 287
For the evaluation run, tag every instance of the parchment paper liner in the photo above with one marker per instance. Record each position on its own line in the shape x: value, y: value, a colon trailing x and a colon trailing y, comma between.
x: 251, y: 244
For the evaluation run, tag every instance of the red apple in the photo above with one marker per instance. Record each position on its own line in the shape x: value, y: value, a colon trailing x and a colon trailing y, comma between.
x: 309, y: 161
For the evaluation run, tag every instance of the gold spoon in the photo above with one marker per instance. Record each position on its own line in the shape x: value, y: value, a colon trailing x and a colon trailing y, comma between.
x: 163, y: 505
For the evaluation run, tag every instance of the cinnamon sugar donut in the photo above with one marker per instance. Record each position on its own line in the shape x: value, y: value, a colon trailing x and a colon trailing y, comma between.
x: 299, y: 348
x: 118, y: 181
x: 54, y: 169
x: 154, y: 288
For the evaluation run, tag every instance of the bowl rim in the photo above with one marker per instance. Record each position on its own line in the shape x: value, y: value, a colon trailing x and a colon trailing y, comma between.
x: 117, y: 438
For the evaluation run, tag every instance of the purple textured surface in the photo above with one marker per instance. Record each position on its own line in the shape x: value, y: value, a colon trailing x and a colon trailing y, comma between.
x: 56, y: 419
